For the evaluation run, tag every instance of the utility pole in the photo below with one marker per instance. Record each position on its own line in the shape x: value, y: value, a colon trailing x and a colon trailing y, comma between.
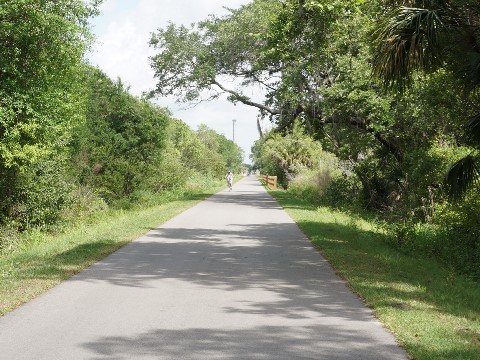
x: 234, y: 121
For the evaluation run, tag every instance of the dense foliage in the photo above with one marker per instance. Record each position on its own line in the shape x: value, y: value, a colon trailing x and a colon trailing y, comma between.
x: 119, y: 141
x: 74, y: 142
x: 376, y: 83
x: 41, y: 50
x: 231, y: 153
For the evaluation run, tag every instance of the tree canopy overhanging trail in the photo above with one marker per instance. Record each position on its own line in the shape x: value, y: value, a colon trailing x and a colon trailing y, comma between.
x: 280, y: 48
x: 390, y: 88
x: 312, y: 61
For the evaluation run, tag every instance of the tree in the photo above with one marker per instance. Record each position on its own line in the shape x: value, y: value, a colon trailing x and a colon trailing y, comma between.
x: 283, y: 47
x: 286, y: 155
x: 42, y: 44
x: 191, y: 61
x: 426, y: 35
x: 231, y: 153
x: 120, y: 141
x: 208, y: 137
x: 313, y: 60
x: 312, y: 64
x: 193, y: 153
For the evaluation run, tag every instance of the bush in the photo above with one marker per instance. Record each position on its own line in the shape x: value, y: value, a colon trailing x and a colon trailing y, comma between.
x: 453, y: 238
x: 327, y: 184
x: 198, y: 182
x: 9, y: 239
x: 344, y: 191
x: 85, y: 203
x: 311, y: 184
x: 41, y: 194
x: 459, y: 231
x: 411, y: 238
x: 169, y: 173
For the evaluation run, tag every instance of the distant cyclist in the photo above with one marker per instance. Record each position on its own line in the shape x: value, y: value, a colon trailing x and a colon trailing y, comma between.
x: 229, y: 178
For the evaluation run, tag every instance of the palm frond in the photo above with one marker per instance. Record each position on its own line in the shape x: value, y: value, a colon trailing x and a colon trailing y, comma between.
x: 461, y: 175
x: 472, y: 129
x: 470, y: 70
x: 409, y: 39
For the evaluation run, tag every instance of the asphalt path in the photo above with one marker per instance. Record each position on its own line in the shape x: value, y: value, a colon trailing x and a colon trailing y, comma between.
x: 231, y: 278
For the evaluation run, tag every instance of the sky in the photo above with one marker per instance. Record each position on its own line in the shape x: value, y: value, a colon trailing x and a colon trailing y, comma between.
x: 121, y: 50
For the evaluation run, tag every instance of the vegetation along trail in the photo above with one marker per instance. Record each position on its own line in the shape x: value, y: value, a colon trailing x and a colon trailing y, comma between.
x: 231, y: 278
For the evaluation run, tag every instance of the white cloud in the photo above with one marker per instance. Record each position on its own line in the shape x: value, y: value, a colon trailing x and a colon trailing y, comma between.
x: 123, y: 31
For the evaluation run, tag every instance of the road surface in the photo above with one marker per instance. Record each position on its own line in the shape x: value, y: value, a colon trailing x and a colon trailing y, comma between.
x: 231, y: 278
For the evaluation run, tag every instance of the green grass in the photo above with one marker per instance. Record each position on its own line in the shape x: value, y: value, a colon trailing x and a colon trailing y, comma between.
x: 44, y: 260
x: 433, y: 313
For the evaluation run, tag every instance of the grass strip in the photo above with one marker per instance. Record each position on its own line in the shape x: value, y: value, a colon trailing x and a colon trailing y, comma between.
x: 433, y: 313
x: 49, y: 259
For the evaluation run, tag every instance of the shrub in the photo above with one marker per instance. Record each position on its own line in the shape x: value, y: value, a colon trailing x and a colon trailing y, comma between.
x: 9, y: 239
x: 459, y: 232
x: 311, y: 184
x: 344, y: 191
x: 453, y: 237
x: 169, y: 172
x: 85, y: 203
x: 41, y: 194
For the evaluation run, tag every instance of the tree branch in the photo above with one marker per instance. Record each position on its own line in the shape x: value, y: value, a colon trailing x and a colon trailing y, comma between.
x: 360, y: 123
x: 244, y: 100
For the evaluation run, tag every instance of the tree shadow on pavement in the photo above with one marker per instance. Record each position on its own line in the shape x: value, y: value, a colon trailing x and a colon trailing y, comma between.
x: 296, y: 286
x: 264, y: 342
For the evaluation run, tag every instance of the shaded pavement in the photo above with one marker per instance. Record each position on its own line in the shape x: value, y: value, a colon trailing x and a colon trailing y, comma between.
x: 231, y: 278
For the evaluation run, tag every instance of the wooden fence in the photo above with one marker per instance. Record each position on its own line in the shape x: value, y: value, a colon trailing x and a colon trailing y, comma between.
x: 271, y: 181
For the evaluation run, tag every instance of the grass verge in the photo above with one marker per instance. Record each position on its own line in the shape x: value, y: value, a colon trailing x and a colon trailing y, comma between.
x: 46, y: 260
x: 433, y: 313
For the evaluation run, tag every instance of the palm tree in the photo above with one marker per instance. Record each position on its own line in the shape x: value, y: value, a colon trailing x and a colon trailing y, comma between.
x: 425, y: 35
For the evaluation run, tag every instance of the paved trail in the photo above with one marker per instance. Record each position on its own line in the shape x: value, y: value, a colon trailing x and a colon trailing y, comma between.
x: 231, y: 278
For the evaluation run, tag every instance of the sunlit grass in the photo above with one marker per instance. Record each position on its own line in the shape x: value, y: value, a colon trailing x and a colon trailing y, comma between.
x: 432, y: 312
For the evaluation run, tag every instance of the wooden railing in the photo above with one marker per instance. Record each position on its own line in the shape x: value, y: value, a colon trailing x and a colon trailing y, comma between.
x: 270, y: 181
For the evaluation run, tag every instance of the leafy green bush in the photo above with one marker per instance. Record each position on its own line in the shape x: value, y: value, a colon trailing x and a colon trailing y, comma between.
x: 311, y: 184
x: 344, y: 191
x: 327, y: 184
x: 193, y: 153
x: 40, y: 195
x: 459, y: 231
x: 85, y: 203
x: 9, y: 239
x: 231, y: 153
x: 41, y: 59
x: 120, y: 141
x: 303, y: 186
x: 199, y: 182
x: 169, y: 173
x: 453, y: 237
x: 288, y: 155
x: 412, y: 238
